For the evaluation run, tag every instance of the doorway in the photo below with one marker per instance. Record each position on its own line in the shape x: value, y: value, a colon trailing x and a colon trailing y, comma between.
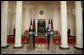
x: 41, y: 27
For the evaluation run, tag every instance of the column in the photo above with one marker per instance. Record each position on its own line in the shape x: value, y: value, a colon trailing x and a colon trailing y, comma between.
x: 79, y: 25
x: 36, y: 22
x: 18, y: 24
x: 46, y: 23
x: 4, y: 18
x: 64, y: 38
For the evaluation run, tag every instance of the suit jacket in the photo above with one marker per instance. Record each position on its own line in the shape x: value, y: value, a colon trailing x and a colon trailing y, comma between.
x: 31, y: 30
x: 47, y: 30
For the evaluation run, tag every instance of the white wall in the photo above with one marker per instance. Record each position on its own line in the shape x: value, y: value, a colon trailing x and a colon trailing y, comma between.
x: 26, y: 19
x: 56, y: 20
x: 32, y: 11
x: 71, y: 23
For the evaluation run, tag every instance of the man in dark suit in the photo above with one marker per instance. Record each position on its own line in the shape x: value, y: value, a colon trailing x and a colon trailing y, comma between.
x: 68, y: 33
x: 32, y: 35
x: 14, y: 31
x: 48, y: 30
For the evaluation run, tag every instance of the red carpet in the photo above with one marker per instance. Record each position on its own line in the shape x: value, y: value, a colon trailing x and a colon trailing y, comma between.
x: 25, y: 40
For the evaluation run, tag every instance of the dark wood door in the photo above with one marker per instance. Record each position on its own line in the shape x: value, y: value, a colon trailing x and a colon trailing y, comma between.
x: 41, y: 26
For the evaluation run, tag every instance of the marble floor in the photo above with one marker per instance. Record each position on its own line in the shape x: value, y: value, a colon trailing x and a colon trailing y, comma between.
x: 40, y: 49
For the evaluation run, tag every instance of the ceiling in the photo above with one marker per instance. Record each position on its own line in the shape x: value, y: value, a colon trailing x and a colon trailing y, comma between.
x: 47, y: 2
x: 43, y: 2
x: 70, y: 4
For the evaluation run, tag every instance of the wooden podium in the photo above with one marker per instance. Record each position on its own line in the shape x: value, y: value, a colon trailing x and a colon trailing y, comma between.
x: 31, y: 43
x: 51, y: 44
